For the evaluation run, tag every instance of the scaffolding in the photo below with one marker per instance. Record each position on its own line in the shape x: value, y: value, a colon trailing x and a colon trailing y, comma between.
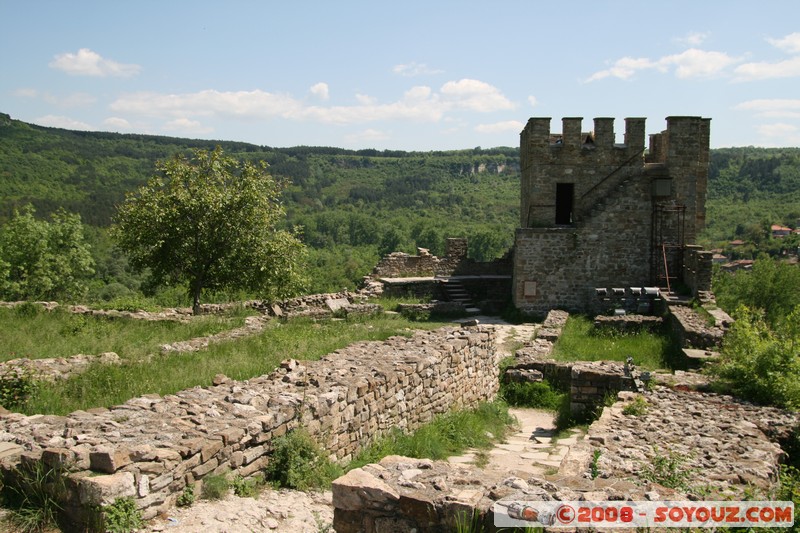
x: 667, y: 244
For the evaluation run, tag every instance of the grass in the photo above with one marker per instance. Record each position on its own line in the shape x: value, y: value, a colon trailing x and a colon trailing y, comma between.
x: 390, y: 303
x: 32, y: 498
x: 108, y: 385
x: 580, y: 341
x: 34, y: 333
x: 447, y: 435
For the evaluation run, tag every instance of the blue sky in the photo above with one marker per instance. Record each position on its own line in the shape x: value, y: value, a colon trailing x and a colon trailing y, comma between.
x: 412, y: 75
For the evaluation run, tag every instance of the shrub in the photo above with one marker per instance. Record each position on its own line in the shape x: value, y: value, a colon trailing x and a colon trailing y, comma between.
x: 215, y: 487
x: 637, y: 407
x: 594, y: 470
x: 761, y: 364
x: 531, y: 394
x: 297, y: 462
x: 668, y: 470
x: 122, y: 516
x: 187, y: 497
x: 246, y: 487
x: 17, y: 385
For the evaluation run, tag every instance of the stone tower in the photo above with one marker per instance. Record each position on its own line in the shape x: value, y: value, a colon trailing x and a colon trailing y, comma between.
x: 597, y: 216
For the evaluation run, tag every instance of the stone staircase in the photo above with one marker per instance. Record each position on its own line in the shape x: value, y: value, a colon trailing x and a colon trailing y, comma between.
x: 455, y: 292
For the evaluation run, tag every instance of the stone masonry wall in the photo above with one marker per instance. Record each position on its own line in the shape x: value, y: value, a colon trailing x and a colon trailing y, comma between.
x: 560, y: 268
x: 150, y: 448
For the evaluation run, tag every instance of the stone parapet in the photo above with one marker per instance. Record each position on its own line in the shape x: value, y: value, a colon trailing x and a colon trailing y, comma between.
x: 692, y: 330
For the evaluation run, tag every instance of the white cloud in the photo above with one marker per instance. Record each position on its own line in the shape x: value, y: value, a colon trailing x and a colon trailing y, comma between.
x: 187, y: 126
x: 258, y: 104
x: 695, y: 63
x: 789, y: 44
x: 58, y: 121
x: 117, y: 123
x: 789, y: 68
x: 779, y: 134
x: 366, y: 136
x: 320, y: 90
x: 623, y: 68
x: 419, y: 103
x: 414, y: 69
x: 70, y: 100
x: 89, y: 63
x: 688, y: 64
x: 533, y: 101
x: 763, y: 70
x: 500, y: 127
x: 475, y: 95
x: 776, y: 130
x: 365, y: 99
x: 772, y: 108
x: 692, y: 39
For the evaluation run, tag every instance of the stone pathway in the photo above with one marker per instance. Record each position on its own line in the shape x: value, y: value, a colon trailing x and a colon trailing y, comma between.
x: 531, y: 450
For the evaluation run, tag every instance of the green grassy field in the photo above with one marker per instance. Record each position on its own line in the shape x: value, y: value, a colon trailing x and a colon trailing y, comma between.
x: 32, y: 332
x: 107, y: 385
x: 580, y: 341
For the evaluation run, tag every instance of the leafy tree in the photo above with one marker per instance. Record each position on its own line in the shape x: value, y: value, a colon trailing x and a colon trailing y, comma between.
x: 44, y: 260
x: 772, y: 286
x: 486, y: 245
x: 212, y: 222
x: 759, y: 363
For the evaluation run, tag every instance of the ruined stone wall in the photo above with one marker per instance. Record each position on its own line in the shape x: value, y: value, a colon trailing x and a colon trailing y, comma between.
x: 454, y: 263
x: 151, y: 447
x: 403, y: 265
x: 693, y: 330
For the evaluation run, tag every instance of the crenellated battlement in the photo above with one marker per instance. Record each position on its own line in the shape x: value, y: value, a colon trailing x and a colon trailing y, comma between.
x: 539, y: 141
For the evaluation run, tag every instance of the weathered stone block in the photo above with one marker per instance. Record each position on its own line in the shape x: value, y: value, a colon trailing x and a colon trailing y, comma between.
x: 103, y: 490
x: 109, y: 460
x: 358, y: 489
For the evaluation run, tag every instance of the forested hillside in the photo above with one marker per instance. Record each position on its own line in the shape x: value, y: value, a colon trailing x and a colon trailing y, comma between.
x: 750, y: 189
x: 354, y: 205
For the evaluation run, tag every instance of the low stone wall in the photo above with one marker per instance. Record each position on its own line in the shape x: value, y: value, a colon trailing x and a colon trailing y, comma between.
x: 441, y: 308
x: 633, y: 300
x: 628, y: 323
x: 403, y: 265
x: 588, y: 383
x: 53, y: 369
x: 152, y: 447
x: 693, y: 330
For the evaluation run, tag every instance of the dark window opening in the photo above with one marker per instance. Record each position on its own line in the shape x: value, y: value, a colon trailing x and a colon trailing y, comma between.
x: 565, y: 193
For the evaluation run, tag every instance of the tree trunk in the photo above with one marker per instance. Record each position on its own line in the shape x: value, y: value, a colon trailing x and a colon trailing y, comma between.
x: 196, y: 290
